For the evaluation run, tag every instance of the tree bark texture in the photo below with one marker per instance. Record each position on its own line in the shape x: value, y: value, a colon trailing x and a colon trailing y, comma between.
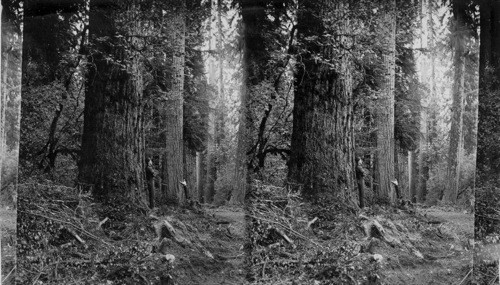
x: 322, y: 146
x: 254, y: 51
x: 402, y: 175
x: 488, y: 138
x: 200, y: 165
x: 112, y: 157
x: 457, y: 108
x: 172, y: 169
x: 385, y: 114
x: 10, y: 111
x: 190, y: 172
x: 413, y: 175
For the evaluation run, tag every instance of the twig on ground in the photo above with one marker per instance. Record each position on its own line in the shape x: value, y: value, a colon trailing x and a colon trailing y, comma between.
x: 102, y: 222
x: 288, y: 229
x: 8, y: 275
x: 285, y: 237
x: 309, y: 224
x: 71, y: 224
x: 465, y: 278
x: 77, y: 237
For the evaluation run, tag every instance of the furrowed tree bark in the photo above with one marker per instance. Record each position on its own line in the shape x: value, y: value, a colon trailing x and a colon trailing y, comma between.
x: 322, y: 146
x: 413, y: 175
x: 457, y: 109
x: 172, y: 172
x: 10, y: 118
x: 113, y: 139
x: 190, y: 172
x: 211, y: 154
x: 488, y: 138
x: 427, y: 42
x: 254, y: 52
x: 385, y: 115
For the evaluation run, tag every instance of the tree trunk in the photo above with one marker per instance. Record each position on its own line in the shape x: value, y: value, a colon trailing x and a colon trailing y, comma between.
x: 488, y: 138
x: 413, y: 175
x: 190, y: 172
x: 10, y: 118
x: 322, y: 147
x: 172, y: 168
x: 199, y: 175
x: 213, y: 131
x: 254, y: 51
x: 453, y: 169
x: 10, y: 111
x: 385, y: 116
x: 403, y: 174
x: 113, y: 139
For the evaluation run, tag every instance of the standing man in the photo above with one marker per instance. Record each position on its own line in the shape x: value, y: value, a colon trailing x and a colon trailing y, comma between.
x: 150, y: 175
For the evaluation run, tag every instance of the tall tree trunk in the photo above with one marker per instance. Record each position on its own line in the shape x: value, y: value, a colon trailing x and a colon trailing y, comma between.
x: 113, y: 138
x: 403, y: 174
x: 413, y: 175
x: 254, y: 53
x: 199, y: 175
x: 10, y: 109
x: 211, y: 154
x: 172, y: 169
x: 322, y: 147
x: 453, y: 169
x: 488, y: 139
x: 385, y: 115
x: 10, y: 118
x: 190, y: 172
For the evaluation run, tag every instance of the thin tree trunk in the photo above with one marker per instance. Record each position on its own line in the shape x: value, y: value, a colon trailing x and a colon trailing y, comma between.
x: 199, y: 176
x: 385, y: 115
x: 113, y: 138
x: 413, y: 175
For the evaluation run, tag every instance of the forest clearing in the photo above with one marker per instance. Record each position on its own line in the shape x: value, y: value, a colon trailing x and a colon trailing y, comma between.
x: 250, y: 142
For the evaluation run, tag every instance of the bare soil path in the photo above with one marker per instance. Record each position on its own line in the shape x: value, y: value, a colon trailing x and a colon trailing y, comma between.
x: 443, y: 236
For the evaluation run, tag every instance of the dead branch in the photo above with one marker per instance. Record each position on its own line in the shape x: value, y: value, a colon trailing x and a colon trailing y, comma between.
x: 288, y: 229
x: 71, y: 224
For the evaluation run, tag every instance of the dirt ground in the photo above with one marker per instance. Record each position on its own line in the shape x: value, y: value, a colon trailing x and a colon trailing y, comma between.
x: 222, y: 232
x: 67, y: 239
x: 444, y: 237
x: 8, y: 234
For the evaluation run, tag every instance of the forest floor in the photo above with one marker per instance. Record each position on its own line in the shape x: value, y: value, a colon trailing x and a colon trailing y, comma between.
x: 324, y: 242
x: 444, y: 238
x: 67, y: 238
x: 8, y: 236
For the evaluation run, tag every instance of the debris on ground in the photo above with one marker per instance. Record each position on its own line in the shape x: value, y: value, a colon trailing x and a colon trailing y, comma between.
x: 65, y: 237
x: 294, y: 241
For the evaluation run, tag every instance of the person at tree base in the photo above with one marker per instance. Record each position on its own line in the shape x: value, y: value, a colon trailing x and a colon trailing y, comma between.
x: 150, y: 175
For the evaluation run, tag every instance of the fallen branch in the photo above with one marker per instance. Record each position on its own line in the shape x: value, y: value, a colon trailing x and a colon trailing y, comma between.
x: 77, y: 237
x: 68, y: 223
x: 285, y: 237
x: 312, y: 222
x: 102, y: 222
x: 288, y: 229
x: 465, y: 278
